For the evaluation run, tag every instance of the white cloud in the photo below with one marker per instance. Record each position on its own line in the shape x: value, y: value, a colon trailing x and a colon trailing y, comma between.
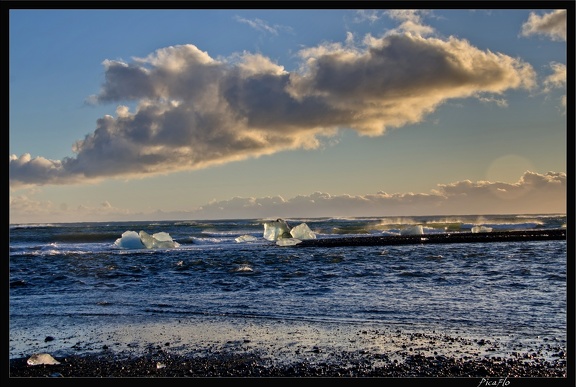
x: 556, y: 80
x: 412, y: 21
x: 261, y: 25
x: 500, y: 102
x: 558, y: 77
x: 552, y: 25
x: 369, y: 15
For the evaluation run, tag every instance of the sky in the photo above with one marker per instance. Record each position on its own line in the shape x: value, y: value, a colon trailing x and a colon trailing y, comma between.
x: 166, y: 114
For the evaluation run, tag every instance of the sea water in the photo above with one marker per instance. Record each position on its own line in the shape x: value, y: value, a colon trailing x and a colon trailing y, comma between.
x: 226, y: 268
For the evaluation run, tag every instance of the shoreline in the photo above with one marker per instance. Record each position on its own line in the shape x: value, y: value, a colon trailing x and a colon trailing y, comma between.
x: 243, y: 347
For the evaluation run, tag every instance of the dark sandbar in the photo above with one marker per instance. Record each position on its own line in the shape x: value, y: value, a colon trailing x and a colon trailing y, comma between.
x: 460, y: 237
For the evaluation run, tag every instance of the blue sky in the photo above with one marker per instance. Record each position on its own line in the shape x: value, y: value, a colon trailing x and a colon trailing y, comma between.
x: 238, y: 113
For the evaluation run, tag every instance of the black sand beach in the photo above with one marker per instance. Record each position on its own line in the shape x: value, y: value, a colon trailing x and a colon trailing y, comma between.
x: 160, y: 363
x: 290, y: 349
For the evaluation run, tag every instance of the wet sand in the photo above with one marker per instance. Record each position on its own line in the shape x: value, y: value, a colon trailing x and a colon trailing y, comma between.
x: 245, y: 347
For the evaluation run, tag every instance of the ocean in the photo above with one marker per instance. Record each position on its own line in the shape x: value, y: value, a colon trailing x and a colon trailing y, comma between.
x: 80, y: 272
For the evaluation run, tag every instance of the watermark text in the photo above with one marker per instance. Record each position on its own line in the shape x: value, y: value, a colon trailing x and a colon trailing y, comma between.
x: 502, y: 382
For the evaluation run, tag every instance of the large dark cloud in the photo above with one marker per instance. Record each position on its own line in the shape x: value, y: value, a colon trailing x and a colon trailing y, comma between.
x: 193, y: 111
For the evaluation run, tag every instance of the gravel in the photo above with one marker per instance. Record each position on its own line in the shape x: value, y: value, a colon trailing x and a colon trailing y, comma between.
x: 159, y: 362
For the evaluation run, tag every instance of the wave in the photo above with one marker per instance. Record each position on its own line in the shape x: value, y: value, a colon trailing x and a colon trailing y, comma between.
x: 32, y: 225
x: 98, y: 236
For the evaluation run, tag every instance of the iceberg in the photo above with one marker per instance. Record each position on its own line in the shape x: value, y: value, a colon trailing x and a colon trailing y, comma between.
x: 143, y: 240
x: 129, y: 240
x: 276, y: 229
x: 246, y: 238
x: 288, y: 241
x: 279, y: 229
x: 159, y: 240
x: 302, y: 231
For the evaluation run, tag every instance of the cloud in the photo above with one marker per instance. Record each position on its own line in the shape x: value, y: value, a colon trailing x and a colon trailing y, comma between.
x: 556, y: 80
x: 193, y: 111
x: 369, y: 15
x: 411, y: 21
x: 26, y: 209
x: 558, y: 77
x: 261, y: 25
x: 532, y: 193
x: 498, y: 101
x: 552, y: 25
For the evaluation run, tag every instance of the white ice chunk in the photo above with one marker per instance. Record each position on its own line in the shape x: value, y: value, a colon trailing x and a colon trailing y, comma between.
x: 146, y: 239
x: 129, y: 240
x: 302, y: 231
x: 288, y: 241
x: 276, y: 229
x: 159, y: 240
x: 162, y: 237
x: 141, y: 240
x: 246, y: 238
x: 164, y: 241
x: 41, y: 358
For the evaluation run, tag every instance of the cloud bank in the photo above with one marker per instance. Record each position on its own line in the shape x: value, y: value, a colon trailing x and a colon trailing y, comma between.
x: 460, y: 198
x: 193, y: 111
x: 532, y: 193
